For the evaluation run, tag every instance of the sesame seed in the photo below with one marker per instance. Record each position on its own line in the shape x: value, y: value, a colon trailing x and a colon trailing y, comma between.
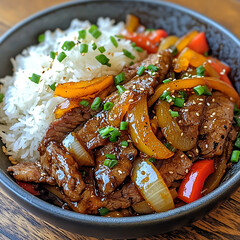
x: 170, y: 172
x: 115, y: 116
x: 148, y: 43
x: 142, y: 89
x: 213, y: 100
x: 111, y: 119
x: 103, y: 116
x: 129, y: 140
x: 179, y: 121
x: 127, y: 91
x: 200, y: 99
x: 208, y: 103
x: 200, y: 103
x: 83, y: 54
x: 197, y: 114
x: 186, y: 110
x: 131, y: 100
x: 130, y: 115
x: 197, y: 151
x: 182, y: 156
x: 181, y: 134
x: 134, y: 86
x: 231, y: 98
x: 209, y: 60
x: 205, y: 127
x: 186, y: 171
x: 98, y: 118
x: 213, y: 113
x: 206, y: 145
x: 193, y: 102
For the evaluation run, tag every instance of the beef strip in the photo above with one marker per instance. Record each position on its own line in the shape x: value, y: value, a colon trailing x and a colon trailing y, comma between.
x: 175, y: 168
x: 110, y: 178
x: 216, y: 124
x: 145, y: 84
x: 123, y: 198
x: 190, y: 116
x: 30, y: 172
x: 62, y: 167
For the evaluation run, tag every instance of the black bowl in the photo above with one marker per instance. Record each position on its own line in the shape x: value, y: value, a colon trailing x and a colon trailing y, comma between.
x: 155, y: 14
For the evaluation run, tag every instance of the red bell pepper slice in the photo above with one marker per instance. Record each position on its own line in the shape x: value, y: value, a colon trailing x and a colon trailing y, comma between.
x: 199, y: 43
x: 192, y: 185
x: 221, y: 72
x: 28, y: 187
x: 148, y: 40
x: 221, y: 64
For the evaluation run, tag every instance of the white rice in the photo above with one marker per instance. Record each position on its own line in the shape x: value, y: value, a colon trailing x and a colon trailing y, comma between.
x: 28, y: 108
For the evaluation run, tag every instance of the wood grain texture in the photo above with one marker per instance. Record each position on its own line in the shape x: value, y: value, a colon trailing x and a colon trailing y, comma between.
x: 221, y: 223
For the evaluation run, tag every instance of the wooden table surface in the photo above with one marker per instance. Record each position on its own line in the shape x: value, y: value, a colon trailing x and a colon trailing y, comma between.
x: 221, y: 223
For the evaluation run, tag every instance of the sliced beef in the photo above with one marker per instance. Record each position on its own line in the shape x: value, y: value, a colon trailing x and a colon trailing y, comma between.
x: 30, y: 172
x: 175, y: 168
x: 67, y: 123
x: 110, y: 178
x: 62, y: 167
x: 123, y: 198
x: 190, y: 116
x: 145, y: 84
x: 216, y: 124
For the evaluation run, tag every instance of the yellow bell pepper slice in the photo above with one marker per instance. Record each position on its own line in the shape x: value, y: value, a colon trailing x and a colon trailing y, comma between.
x: 167, y: 42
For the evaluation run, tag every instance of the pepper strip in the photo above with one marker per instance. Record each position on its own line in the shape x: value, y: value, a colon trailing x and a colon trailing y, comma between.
x: 211, y: 82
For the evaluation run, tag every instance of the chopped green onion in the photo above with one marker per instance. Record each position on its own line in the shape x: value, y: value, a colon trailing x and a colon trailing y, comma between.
x: 174, y: 50
x: 124, y: 143
x: 52, y: 55
x: 138, y: 49
x: 96, y: 103
x: 236, y: 109
x: 68, y: 45
x: 105, y: 131
x: 41, y: 38
x: 94, y: 46
x: 199, y: 90
x: 131, y: 63
x: 200, y: 71
x: 149, y: 30
x: 1, y: 97
x: 83, y: 48
x: 61, y: 56
x: 164, y: 95
x: 183, y: 94
x: 170, y: 147
x: 53, y: 86
x: 237, y: 143
x: 140, y: 70
x: 123, y: 125
x: 173, y: 113
x: 128, y: 54
x: 108, y: 106
x: 84, y: 173
x: 120, y: 89
x: 102, y: 49
x: 103, y: 211
x: 237, y: 120
x: 152, y: 68
x: 84, y: 103
x: 172, y: 74
x: 82, y: 34
x: 152, y: 160
x: 166, y: 81
x: 207, y: 91
x: 94, y: 31
x: 206, y: 54
x: 119, y: 36
x: 114, y: 135
x: 169, y: 99
x: 110, y: 163
x: 114, y: 41
x: 110, y: 156
x: 235, y: 156
x: 103, y: 60
x: 179, y: 102
x: 35, y: 78
x: 119, y: 78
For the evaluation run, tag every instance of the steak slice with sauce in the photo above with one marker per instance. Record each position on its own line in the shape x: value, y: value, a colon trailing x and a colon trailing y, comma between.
x: 30, y: 172
x: 63, y: 168
x: 175, y: 168
x: 216, y: 124
x: 110, y: 178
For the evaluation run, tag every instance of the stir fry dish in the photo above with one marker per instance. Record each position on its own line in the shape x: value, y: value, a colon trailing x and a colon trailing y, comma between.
x: 155, y: 136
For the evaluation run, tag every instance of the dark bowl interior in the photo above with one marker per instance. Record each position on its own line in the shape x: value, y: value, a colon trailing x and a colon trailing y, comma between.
x: 154, y: 14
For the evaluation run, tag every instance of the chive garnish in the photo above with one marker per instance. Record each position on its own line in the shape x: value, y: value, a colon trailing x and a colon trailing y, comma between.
x: 174, y: 50
x: 199, y: 90
x: 206, y: 54
x: 124, y: 143
x: 114, y: 41
x: 200, y: 71
x: 94, y: 46
x: 110, y: 163
x: 93, y: 30
x: 1, y: 97
x: 68, y: 45
x: 179, y: 102
x: 41, y: 38
x: 140, y: 70
x: 114, y: 134
x: 170, y: 147
x: 164, y: 95
x: 52, y: 55
x: 235, y: 156
x: 84, y: 103
x: 123, y: 125
x: 35, y: 78
x: 138, y: 49
x: 103, y: 211
x: 110, y: 132
x: 61, y: 56
x: 183, y: 94
x: 96, y: 103
x: 128, y: 54
x: 110, y: 156
x: 120, y: 89
x: 83, y: 48
x: 102, y: 49
x: 82, y: 34
x: 108, y: 106
x: 173, y: 113
x: 237, y: 143
x: 152, y: 160
x: 119, y: 78
x: 103, y: 60
x: 166, y: 81
x: 53, y: 86
x: 152, y: 68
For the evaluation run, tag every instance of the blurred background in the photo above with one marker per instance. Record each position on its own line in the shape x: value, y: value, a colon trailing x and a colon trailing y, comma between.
x: 225, y: 12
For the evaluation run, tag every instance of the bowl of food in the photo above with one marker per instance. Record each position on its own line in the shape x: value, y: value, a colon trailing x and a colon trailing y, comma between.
x: 128, y: 127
